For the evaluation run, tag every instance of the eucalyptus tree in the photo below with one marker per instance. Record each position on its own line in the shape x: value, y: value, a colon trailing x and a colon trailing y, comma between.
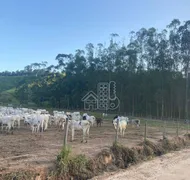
x: 184, y: 35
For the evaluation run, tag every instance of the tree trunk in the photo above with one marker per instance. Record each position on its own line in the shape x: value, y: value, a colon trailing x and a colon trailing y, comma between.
x: 157, y: 109
x: 179, y: 112
x: 162, y: 114
x: 186, y: 94
x: 171, y: 106
x: 150, y: 108
x: 68, y: 103
x: 146, y: 109
x: 133, y: 110
x: 59, y: 103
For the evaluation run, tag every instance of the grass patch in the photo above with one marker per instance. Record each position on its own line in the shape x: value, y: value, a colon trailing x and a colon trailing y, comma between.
x: 68, y: 166
x: 21, y: 175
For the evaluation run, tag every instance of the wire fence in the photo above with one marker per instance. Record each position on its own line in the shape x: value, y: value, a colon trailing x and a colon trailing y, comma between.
x: 149, y: 129
x: 164, y: 128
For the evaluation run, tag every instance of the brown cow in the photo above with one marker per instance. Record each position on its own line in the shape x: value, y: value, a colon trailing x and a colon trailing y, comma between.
x: 99, y: 121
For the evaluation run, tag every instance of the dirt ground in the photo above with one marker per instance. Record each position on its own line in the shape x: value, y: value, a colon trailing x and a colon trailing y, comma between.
x: 24, y: 150
x: 173, y: 166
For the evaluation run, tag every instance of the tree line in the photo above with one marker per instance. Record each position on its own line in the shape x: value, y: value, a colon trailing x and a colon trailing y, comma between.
x: 150, y: 71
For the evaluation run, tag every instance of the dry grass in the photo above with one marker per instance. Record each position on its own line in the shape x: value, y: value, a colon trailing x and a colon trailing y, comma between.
x: 119, y: 156
x: 21, y: 175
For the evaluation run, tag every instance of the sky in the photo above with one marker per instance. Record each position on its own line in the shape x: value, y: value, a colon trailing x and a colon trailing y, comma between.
x: 37, y: 30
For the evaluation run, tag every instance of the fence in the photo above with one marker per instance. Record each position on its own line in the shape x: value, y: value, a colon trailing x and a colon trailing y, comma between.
x: 156, y: 129
x: 149, y: 129
x: 166, y: 128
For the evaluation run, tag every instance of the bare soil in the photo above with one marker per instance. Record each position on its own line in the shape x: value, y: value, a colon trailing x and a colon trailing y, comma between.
x: 24, y: 150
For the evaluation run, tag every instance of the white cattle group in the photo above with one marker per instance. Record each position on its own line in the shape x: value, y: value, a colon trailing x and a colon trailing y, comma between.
x: 39, y: 120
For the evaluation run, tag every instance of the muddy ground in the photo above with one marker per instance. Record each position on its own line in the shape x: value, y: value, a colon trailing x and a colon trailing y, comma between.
x: 24, y: 150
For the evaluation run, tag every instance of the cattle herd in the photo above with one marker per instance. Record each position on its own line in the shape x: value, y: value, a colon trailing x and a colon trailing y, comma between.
x: 39, y: 120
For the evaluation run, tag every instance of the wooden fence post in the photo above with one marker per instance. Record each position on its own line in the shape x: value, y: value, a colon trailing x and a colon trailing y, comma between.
x: 145, y: 131
x: 66, y: 133
x: 177, y: 131
x: 187, y: 126
x: 164, y: 130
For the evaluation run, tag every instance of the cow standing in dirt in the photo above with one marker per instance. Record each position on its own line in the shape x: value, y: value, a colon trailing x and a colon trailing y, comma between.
x: 99, y: 121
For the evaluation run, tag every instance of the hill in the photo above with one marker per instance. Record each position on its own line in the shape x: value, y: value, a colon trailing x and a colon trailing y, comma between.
x: 8, y: 86
x: 9, y: 82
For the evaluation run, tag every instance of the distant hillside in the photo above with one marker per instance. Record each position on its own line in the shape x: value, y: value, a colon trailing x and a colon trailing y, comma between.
x: 8, y: 86
x: 9, y: 82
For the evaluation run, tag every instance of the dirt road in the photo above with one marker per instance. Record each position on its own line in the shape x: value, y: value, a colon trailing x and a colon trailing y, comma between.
x: 175, y: 166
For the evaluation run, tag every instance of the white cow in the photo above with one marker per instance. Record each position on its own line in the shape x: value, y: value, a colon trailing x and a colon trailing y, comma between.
x: 104, y: 115
x: 83, y: 125
x: 122, y: 124
x: 16, y: 119
x: 92, y: 119
x: 59, y: 119
x: 46, y: 120
x: 76, y: 116
x: 135, y: 122
x: 37, y: 122
x: 62, y: 121
x: 34, y: 124
x: 7, y: 121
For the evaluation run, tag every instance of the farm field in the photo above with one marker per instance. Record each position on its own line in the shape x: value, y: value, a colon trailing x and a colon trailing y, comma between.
x: 24, y: 150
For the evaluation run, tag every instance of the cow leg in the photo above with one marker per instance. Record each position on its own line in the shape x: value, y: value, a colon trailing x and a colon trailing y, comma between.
x: 37, y: 128
x: 42, y: 126
x: 63, y: 124
x: 88, y: 132
x: 83, y: 135
x: 18, y: 124
x: 72, y: 134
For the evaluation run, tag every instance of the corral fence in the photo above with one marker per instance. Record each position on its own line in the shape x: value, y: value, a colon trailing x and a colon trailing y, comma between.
x: 149, y: 126
x: 152, y: 129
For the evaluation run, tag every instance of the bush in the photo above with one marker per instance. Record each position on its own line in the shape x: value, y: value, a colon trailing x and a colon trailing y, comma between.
x: 68, y: 166
x: 118, y: 156
x: 156, y: 148
x: 123, y: 155
x: 62, y: 162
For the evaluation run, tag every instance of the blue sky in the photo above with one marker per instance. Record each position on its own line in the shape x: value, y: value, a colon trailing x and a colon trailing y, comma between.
x: 37, y: 30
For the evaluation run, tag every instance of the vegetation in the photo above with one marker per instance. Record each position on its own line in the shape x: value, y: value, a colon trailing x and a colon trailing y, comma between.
x: 68, y: 165
x: 118, y: 156
x: 150, y: 72
x: 21, y: 175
